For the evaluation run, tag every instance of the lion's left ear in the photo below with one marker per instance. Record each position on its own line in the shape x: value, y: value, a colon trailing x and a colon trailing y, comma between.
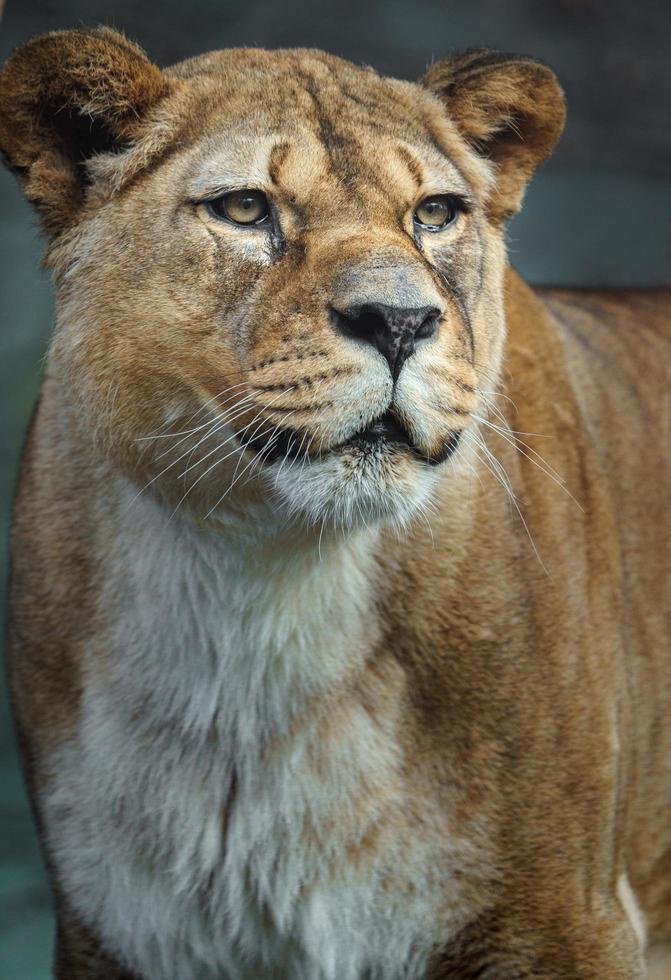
x: 65, y: 97
x: 511, y: 110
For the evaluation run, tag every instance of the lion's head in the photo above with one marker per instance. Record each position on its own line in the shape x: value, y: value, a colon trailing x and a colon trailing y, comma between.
x: 279, y: 275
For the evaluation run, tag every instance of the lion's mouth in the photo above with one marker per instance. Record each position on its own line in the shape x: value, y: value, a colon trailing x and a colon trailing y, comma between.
x: 387, y: 428
x: 379, y: 436
x: 389, y: 431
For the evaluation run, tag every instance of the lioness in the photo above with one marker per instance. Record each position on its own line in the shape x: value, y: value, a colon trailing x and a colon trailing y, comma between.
x: 323, y: 667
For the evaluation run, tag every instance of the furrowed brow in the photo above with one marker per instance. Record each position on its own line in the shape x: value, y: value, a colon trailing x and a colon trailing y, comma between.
x: 278, y: 155
x: 243, y: 163
x: 436, y: 168
x: 443, y: 161
x: 412, y: 163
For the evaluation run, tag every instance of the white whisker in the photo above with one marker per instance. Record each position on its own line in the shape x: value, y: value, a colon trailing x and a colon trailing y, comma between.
x: 230, y: 486
x: 170, y: 435
x: 235, y: 434
x: 542, y: 464
x: 497, y: 469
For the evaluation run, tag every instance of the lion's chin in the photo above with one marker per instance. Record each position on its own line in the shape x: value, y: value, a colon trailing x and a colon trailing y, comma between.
x: 359, y: 484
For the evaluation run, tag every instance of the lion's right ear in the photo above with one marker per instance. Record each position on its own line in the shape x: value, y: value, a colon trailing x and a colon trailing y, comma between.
x: 65, y: 97
x: 511, y: 111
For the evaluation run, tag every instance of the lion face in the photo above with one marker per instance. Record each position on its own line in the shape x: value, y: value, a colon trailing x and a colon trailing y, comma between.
x: 287, y: 287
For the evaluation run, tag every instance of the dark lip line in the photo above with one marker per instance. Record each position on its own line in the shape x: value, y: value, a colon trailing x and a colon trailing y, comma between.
x: 287, y: 442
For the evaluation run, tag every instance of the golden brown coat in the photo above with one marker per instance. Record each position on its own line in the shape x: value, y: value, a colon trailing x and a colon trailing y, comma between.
x: 476, y: 738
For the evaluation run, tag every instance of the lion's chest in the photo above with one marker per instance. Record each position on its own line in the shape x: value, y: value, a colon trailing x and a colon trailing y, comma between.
x: 299, y: 862
x: 241, y: 809
x: 297, y: 874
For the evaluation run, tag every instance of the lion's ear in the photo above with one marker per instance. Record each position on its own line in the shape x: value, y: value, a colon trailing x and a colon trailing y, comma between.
x: 65, y: 97
x: 511, y: 110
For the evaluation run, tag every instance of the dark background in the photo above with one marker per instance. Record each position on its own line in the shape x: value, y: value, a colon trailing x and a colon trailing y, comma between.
x: 598, y: 214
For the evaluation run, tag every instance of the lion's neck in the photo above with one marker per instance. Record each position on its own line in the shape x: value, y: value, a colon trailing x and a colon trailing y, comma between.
x: 239, y: 693
x: 237, y: 630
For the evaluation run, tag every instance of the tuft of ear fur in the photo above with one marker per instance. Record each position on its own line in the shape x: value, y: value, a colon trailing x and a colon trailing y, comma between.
x: 511, y: 110
x: 64, y: 97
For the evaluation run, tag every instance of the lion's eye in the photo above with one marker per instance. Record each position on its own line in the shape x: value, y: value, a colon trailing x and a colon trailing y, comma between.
x: 241, y: 207
x: 436, y: 212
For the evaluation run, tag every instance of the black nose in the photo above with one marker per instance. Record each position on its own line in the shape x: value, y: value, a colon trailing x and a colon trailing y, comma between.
x: 393, y: 330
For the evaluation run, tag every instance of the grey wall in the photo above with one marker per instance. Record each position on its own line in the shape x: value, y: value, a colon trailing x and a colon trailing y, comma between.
x: 598, y: 213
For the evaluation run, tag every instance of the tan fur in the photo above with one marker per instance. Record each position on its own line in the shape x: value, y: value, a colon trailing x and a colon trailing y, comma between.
x: 512, y: 660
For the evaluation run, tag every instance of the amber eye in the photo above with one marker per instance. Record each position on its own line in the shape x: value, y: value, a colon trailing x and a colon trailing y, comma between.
x: 436, y: 212
x: 241, y: 207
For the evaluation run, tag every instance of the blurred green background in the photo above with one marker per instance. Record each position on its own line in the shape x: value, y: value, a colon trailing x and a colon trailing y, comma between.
x: 598, y: 214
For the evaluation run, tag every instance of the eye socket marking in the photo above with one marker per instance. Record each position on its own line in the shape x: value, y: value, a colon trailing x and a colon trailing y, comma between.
x: 437, y: 212
x: 245, y: 207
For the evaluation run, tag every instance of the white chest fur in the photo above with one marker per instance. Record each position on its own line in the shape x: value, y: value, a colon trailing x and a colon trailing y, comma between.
x: 234, y: 807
